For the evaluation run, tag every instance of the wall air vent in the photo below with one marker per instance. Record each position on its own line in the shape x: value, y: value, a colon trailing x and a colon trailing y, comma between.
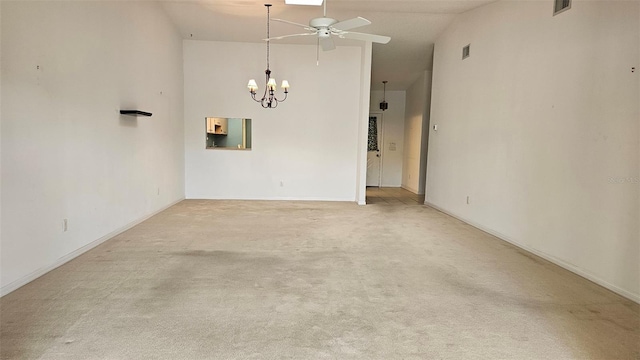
x: 465, y: 51
x: 560, y: 6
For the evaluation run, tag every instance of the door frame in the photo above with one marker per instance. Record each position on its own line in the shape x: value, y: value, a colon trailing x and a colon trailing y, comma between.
x: 380, y: 141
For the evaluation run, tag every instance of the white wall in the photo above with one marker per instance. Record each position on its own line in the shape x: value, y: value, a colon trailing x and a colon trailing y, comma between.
x: 309, y: 144
x: 540, y: 127
x: 0, y: 140
x: 416, y: 127
x: 393, y: 122
x: 363, y: 127
x: 67, y: 69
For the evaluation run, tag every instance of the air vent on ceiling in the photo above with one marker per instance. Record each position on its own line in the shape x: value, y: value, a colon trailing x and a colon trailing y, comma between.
x: 560, y: 6
x: 465, y: 51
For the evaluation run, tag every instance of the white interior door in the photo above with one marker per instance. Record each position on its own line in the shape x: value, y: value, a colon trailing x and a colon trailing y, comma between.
x: 374, y: 150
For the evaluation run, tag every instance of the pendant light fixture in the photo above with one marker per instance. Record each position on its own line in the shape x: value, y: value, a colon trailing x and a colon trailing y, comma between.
x: 384, y: 105
x: 269, y: 99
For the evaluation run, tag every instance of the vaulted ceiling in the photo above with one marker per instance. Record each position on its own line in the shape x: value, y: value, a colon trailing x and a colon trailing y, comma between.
x: 412, y: 25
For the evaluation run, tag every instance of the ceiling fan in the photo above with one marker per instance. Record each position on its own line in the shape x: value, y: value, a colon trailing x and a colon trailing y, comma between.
x: 325, y: 28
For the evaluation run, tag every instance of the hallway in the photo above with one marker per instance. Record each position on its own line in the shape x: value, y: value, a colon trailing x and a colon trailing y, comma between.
x: 393, y: 195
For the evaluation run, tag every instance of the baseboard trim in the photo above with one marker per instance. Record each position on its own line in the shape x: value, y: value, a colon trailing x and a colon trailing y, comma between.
x: 74, y: 254
x: 315, y: 199
x: 622, y: 292
x: 415, y: 191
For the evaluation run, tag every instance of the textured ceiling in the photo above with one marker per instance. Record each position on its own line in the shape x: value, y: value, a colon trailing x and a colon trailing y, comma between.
x: 412, y: 25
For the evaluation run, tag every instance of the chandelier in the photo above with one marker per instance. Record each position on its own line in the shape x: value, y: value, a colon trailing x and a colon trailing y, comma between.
x: 269, y: 99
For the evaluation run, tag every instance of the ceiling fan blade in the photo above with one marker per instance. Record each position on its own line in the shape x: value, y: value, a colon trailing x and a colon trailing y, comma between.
x: 327, y: 44
x: 366, y: 37
x: 294, y: 23
x: 351, y: 23
x: 288, y: 36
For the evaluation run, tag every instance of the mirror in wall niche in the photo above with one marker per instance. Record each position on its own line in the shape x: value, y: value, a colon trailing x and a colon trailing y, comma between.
x: 228, y: 133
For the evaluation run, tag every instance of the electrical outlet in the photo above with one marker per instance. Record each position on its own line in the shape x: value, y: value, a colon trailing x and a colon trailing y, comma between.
x: 158, y: 191
x: 281, y: 183
x: 65, y: 224
x: 468, y: 199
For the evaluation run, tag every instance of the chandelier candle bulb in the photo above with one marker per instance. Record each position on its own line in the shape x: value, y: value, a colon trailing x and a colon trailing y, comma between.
x: 272, y: 84
x: 253, y: 86
x: 285, y: 85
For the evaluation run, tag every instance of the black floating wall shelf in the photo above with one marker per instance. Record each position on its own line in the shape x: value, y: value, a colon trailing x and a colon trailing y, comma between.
x: 135, y: 113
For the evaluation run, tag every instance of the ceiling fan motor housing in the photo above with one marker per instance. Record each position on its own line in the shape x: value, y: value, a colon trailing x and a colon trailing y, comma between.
x: 322, y: 23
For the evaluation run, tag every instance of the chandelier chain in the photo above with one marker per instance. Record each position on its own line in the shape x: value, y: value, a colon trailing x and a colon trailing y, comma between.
x: 268, y: 34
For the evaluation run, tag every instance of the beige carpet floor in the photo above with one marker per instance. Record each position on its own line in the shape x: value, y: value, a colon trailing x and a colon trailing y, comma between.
x: 313, y: 280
